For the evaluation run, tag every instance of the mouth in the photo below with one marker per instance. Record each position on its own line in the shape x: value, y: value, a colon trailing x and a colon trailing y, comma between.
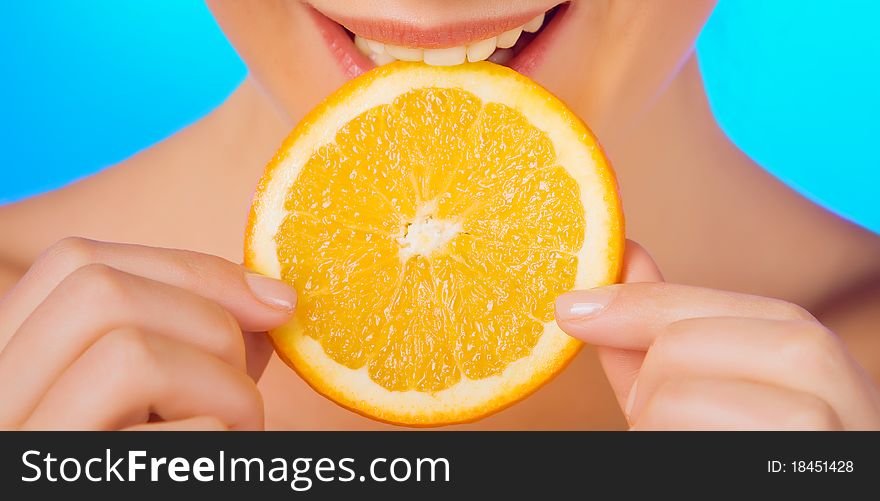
x: 518, y: 41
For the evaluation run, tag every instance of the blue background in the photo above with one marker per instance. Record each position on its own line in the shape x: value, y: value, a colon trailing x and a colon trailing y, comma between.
x: 87, y: 83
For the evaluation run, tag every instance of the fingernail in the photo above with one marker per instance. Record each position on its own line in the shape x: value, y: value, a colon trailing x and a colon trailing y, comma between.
x: 274, y: 293
x: 630, y: 401
x: 580, y: 305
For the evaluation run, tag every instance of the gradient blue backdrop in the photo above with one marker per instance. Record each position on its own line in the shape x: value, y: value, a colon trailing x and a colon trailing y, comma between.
x: 87, y: 83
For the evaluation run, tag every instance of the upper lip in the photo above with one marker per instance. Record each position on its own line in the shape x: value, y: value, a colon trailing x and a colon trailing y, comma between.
x: 411, y: 34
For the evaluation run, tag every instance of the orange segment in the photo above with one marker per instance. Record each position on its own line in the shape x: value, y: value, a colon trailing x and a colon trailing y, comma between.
x: 428, y: 217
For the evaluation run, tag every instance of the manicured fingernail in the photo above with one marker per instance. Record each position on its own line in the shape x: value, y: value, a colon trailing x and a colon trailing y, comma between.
x: 580, y: 305
x: 630, y: 401
x: 274, y: 293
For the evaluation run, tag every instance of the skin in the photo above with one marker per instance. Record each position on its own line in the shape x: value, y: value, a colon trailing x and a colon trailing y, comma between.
x: 767, y: 318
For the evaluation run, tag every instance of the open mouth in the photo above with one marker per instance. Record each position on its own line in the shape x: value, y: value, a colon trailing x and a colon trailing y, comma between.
x: 517, y: 41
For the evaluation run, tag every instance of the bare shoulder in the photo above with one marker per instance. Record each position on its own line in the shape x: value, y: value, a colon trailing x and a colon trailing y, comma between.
x: 183, y: 192
x: 846, y: 256
x: 796, y: 249
x: 850, y: 305
x: 824, y: 263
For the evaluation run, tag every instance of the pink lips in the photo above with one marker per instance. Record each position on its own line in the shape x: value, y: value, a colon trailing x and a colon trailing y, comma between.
x: 353, y: 63
x: 447, y: 35
x: 350, y: 60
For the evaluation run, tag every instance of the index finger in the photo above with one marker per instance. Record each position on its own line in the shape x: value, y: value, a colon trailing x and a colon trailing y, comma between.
x: 631, y: 315
x: 258, y: 303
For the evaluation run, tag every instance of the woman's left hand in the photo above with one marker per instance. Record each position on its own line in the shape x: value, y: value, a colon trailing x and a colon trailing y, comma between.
x: 682, y: 357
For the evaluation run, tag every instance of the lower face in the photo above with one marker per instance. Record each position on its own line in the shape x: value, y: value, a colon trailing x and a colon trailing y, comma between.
x: 607, y: 59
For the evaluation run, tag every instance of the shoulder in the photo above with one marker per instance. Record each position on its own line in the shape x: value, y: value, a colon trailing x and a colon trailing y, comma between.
x: 813, y: 254
x: 851, y: 306
x: 841, y: 255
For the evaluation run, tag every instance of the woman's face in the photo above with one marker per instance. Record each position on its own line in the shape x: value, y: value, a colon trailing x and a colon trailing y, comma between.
x: 608, y: 59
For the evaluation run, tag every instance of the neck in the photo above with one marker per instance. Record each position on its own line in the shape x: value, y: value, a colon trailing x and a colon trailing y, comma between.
x: 680, y: 122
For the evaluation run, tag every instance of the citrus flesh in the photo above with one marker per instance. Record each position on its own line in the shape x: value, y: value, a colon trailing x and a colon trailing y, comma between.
x: 428, y: 217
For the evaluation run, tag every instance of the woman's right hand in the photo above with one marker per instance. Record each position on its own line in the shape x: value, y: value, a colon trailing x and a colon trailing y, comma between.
x: 103, y: 336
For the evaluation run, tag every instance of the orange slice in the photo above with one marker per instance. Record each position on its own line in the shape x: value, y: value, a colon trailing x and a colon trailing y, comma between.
x: 428, y: 217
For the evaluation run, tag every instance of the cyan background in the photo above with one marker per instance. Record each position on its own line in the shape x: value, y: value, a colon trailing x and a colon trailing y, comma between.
x: 87, y: 83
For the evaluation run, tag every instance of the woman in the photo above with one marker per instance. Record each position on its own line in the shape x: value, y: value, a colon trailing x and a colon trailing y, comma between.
x: 103, y: 334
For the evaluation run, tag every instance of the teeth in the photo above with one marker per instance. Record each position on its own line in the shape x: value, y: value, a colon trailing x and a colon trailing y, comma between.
x: 445, y: 57
x: 535, y: 24
x: 508, y: 39
x: 481, y: 50
x: 362, y: 45
x: 382, y: 59
x: 404, y: 53
x: 495, y: 49
x: 377, y: 47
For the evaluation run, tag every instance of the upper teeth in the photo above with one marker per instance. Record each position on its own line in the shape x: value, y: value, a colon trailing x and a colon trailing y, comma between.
x: 509, y: 38
x: 480, y: 50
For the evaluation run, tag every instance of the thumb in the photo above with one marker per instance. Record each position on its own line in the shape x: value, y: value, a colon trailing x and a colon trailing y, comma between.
x: 258, y: 351
x: 622, y: 366
x: 257, y: 341
x: 638, y: 265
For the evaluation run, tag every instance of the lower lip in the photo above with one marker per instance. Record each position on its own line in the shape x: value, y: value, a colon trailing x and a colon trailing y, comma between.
x: 353, y: 63
x: 350, y: 60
